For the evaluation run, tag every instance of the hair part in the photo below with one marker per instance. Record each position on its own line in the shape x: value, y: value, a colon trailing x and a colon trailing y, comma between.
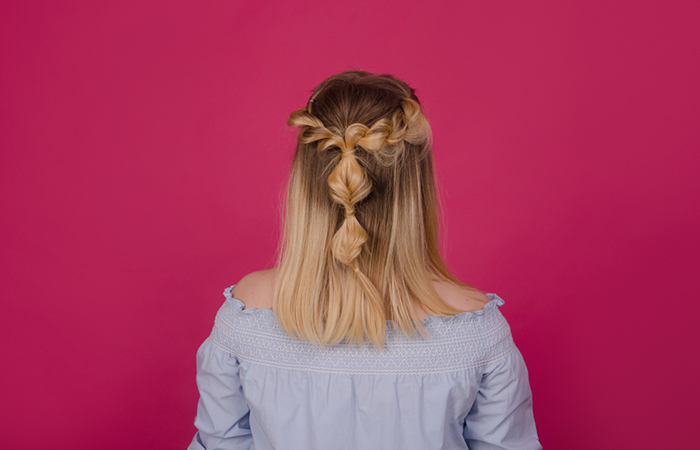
x: 360, y: 239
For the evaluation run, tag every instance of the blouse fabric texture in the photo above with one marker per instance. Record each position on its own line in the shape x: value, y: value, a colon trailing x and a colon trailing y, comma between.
x: 464, y: 387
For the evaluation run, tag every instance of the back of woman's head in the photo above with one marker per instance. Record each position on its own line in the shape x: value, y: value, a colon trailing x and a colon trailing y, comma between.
x: 361, y: 230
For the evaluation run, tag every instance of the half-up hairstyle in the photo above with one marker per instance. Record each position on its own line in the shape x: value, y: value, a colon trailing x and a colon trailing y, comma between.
x: 360, y: 241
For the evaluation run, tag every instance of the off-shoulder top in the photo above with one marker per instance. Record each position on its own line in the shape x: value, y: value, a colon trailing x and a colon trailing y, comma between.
x: 464, y: 387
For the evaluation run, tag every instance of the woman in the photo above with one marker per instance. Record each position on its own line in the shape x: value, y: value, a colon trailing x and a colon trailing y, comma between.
x: 361, y: 338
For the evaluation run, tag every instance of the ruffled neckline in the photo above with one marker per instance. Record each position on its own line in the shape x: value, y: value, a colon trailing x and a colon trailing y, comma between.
x: 494, y: 302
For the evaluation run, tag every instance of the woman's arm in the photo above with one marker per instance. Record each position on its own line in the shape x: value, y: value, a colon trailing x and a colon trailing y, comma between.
x: 222, y: 412
x: 501, y: 417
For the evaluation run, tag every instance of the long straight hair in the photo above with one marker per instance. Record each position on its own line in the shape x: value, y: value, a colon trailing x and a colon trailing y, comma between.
x: 360, y: 237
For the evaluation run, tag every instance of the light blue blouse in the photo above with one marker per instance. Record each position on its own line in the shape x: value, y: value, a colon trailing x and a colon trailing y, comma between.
x: 466, y: 387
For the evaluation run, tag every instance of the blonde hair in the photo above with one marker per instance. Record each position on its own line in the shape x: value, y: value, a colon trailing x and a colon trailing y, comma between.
x: 360, y: 239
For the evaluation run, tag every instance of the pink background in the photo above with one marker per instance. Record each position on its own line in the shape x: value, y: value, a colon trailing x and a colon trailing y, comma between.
x: 143, y: 148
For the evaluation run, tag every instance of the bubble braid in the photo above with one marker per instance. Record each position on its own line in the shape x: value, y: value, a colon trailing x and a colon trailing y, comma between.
x: 348, y: 182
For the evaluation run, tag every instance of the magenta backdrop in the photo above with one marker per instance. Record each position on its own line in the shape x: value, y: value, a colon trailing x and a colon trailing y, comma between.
x: 144, y: 146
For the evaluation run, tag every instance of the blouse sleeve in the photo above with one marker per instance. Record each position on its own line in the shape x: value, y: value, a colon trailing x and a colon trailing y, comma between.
x: 501, y: 417
x: 222, y: 413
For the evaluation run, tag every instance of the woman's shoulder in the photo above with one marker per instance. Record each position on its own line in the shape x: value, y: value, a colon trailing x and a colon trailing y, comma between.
x: 256, y: 289
x: 462, y: 297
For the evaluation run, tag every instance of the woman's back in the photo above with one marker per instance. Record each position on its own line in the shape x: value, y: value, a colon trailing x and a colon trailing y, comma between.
x: 463, y: 387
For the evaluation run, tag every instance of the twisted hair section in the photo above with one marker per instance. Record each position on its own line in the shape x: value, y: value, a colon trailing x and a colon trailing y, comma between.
x: 349, y: 183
